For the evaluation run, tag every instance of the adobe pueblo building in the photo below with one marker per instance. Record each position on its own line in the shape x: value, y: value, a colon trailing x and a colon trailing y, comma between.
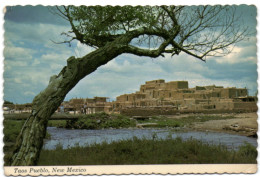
x: 85, y: 105
x: 160, y: 97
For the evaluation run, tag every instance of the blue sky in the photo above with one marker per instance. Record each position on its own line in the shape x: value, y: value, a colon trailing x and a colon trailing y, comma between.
x: 31, y: 58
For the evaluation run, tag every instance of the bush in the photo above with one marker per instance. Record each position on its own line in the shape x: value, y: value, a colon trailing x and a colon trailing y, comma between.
x: 100, y: 120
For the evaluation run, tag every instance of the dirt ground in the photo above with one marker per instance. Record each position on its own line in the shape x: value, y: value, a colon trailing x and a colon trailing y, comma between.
x: 243, y: 124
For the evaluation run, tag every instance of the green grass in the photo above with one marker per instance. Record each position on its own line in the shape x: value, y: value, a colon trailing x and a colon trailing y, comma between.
x: 144, y: 151
x: 24, y: 116
x: 163, y: 121
x: 11, y: 131
x: 135, y: 151
x: 57, y: 123
x: 101, y: 120
x: 204, y: 118
x: 12, y: 128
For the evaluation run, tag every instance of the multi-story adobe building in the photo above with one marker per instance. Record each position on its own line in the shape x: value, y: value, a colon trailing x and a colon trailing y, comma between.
x: 86, y: 105
x: 177, y: 95
x: 160, y: 95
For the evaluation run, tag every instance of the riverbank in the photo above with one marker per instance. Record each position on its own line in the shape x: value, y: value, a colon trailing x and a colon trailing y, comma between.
x: 82, y: 137
x: 243, y: 124
x: 148, y: 151
x: 11, y: 131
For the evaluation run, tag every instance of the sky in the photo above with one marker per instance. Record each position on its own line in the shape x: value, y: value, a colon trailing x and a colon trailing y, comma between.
x: 31, y: 58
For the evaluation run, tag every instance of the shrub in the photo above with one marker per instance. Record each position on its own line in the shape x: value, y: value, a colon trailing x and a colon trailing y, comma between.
x: 100, y: 120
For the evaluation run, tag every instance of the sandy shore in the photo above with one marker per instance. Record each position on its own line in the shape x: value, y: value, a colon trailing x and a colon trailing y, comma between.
x: 243, y: 124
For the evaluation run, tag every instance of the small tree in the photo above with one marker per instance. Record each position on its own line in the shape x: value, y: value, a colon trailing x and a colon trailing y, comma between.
x: 199, y: 31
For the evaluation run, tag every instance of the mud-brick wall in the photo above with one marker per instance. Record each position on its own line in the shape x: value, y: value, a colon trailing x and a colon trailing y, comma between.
x: 222, y: 105
x: 146, y: 112
x: 233, y: 92
x: 251, y: 106
x: 177, y: 85
x: 121, y: 98
x: 155, y: 81
x: 183, y: 85
x: 155, y: 112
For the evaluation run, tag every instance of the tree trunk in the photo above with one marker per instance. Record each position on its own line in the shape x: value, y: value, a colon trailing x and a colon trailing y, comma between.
x: 30, y: 140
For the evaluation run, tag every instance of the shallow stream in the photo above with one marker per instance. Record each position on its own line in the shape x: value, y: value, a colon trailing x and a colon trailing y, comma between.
x: 69, y: 138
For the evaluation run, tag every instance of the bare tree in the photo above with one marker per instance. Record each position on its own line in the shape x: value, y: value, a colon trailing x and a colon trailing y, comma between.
x: 199, y: 31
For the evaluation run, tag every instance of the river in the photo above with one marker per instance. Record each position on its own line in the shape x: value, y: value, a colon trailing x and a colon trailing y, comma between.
x: 78, y: 137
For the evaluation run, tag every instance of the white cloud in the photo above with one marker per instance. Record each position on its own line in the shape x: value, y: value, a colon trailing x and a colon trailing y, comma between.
x: 35, y: 32
x: 18, y: 80
x: 36, y: 62
x: 18, y: 53
x: 55, y: 66
x: 127, y: 72
x: 29, y: 93
x: 82, y: 49
x: 11, y: 64
x: 55, y: 57
x: 237, y: 56
x: 36, y: 58
x: 242, y: 52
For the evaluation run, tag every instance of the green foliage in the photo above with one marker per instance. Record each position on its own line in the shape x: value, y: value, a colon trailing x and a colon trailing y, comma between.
x: 8, y: 102
x: 204, y: 118
x: 103, y: 120
x: 57, y: 123
x: 99, y: 121
x: 47, y: 136
x: 163, y: 121
x: 145, y: 151
x: 247, y: 150
x: 59, y: 147
x: 184, y: 28
x: 111, y: 20
x: 12, y: 129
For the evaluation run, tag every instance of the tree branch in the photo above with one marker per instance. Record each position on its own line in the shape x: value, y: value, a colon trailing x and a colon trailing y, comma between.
x: 150, y: 53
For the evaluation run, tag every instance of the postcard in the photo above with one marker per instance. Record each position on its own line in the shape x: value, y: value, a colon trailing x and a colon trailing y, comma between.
x: 101, y: 90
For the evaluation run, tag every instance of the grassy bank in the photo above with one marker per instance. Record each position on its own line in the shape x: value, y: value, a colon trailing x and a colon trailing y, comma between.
x: 12, y: 129
x: 101, y: 120
x: 144, y: 151
x: 163, y: 121
x: 57, y: 123
x: 135, y: 151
